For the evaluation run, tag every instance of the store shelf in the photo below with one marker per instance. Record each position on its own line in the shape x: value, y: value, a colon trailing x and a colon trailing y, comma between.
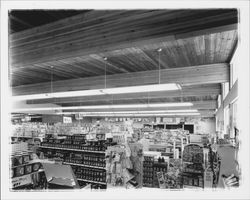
x: 90, y: 181
x: 32, y: 162
x: 39, y: 171
x: 193, y: 173
x: 82, y: 165
x: 67, y: 149
x: 28, y: 137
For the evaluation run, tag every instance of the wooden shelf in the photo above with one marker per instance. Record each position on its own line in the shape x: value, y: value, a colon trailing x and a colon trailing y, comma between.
x: 90, y: 181
x: 67, y: 149
x: 82, y: 165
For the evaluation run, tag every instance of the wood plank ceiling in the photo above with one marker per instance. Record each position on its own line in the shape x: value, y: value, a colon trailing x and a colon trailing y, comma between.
x: 76, y: 46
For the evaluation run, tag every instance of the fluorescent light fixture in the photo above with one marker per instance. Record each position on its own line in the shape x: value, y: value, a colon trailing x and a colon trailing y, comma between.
x: 107, y: 106
x: 170, y: 104
x: 59, y: 95
x: 141, y: 114
x: 118, y: 90
x: 143, y: 88
x: 130, y: 112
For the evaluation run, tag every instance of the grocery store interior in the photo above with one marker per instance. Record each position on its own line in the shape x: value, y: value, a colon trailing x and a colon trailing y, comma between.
x: 105, y: 99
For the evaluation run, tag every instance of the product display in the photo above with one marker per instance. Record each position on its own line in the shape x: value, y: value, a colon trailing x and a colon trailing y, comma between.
x: 193, y: 166
x: 148, y: 171
x: 112, y: 154
x: 87, y: 158
x: 26, y: 172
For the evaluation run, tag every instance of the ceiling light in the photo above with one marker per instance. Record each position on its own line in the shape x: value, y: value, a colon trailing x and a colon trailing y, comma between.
x: 141, y: 114
x: 132, y: 112
x: 59, y: 95
x: 180, y: 104
x: 143, y: 88
x: 118, y: 90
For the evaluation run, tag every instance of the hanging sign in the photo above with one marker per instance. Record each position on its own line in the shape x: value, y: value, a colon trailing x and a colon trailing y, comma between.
x: 67, y: 120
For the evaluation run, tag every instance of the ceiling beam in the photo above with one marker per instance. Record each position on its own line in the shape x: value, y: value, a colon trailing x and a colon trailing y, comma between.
x: 20, y: 21
x: 194, y: 75
x: 114, y: 35
x: 197, y: 90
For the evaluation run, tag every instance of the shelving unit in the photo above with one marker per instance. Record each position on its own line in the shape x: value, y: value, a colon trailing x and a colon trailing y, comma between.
x: 75, y: 157
x: 67, y: 149
x: 193, y: 156
x: 18, y: 181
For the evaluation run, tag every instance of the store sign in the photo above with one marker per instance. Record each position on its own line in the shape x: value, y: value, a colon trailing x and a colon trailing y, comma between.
x: 78, y: 116
x: 23, y: 180
x: 167, y: 120
x: 67, y: 120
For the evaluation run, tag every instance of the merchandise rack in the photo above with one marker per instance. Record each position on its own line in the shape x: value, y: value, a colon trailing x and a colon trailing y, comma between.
x: 194, y: 173
x: 67, y: 149
x: 79, y: 164
x: 82, y: 165
x: 22, y: 165
x: 18, y: 177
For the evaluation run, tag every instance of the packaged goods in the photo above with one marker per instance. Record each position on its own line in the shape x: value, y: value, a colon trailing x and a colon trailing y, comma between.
x: 19, y: 171
x: 35, y: 167
x: 28, y: 169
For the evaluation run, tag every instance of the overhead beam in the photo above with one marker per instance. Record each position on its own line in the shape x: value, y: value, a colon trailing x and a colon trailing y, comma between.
x: 194, y: 75
x: 114, y: 35
x: 194, y: 91
x: 20, y: 21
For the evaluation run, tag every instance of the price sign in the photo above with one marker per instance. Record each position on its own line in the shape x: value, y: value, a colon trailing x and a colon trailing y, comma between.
x: 22, y: 180
x: 161, y: 179
x: 67, y: 120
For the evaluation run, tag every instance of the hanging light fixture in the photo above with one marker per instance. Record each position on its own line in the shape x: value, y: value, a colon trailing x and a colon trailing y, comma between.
x: 117, y: 90
x: 133, y: 114
x: 157, y: 105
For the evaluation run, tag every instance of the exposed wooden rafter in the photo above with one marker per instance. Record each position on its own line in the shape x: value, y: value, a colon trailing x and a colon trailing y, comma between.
x: 195, y: 75
x: 114, y: 31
